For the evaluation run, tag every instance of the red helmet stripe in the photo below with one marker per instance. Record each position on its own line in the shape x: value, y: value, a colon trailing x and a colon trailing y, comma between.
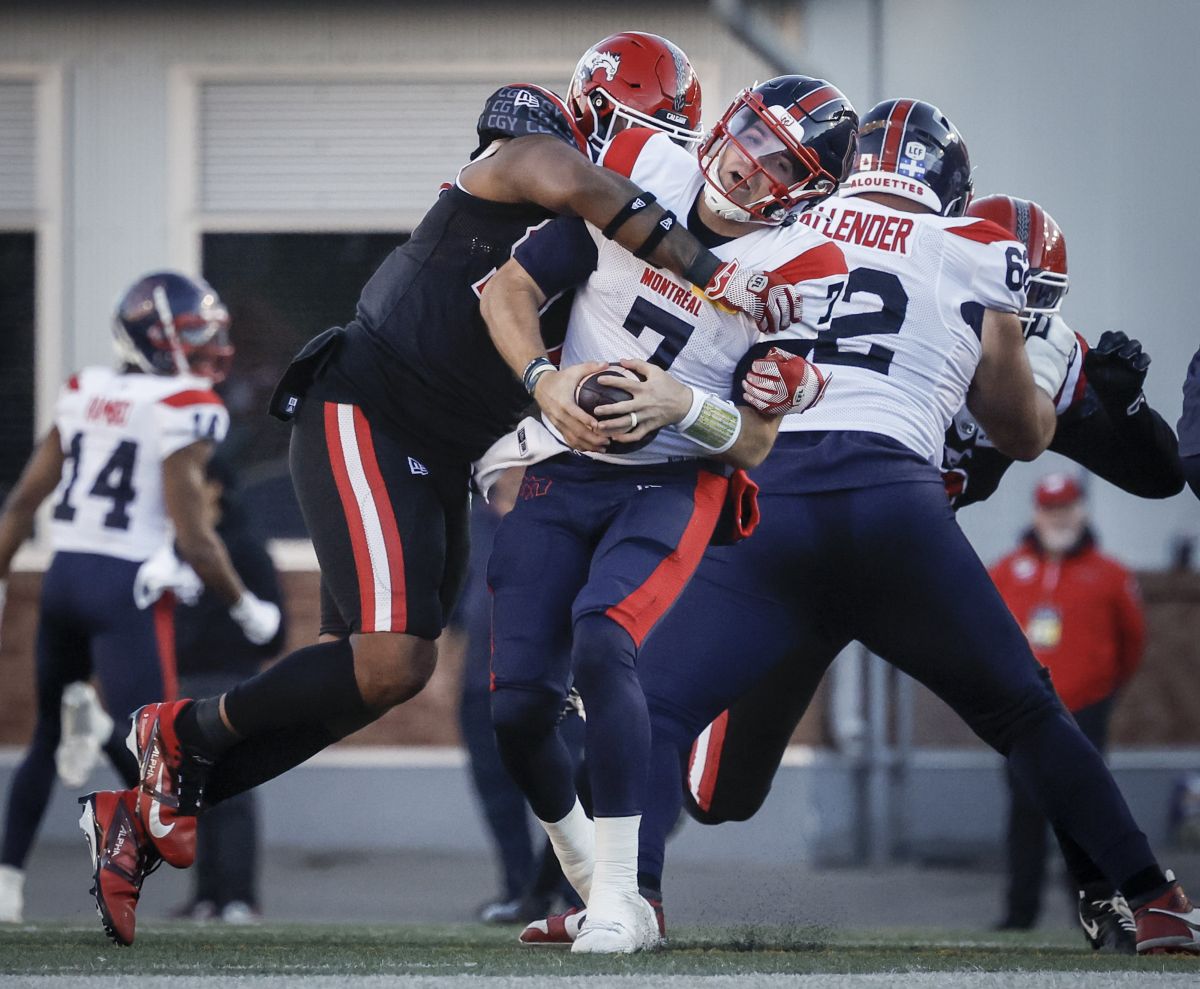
x: 816, y: 99
x: 894, y: 135
x: 1037, y: 236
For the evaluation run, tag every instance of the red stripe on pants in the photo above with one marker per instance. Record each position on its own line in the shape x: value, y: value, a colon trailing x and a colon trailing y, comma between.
x: 358, y: 534
x: 639, y: 612
x: 164, y: 635
x: 387, y: 520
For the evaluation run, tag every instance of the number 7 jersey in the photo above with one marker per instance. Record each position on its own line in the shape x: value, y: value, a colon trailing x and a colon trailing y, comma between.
x: 116, y: 431
x: 902, y: 334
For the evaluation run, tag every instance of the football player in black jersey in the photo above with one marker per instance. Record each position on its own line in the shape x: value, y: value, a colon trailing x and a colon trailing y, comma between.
x: 389, y: 412
x: 1189, y: 426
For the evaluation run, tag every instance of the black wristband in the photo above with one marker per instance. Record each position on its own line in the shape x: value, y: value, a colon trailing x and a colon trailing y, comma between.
x: 661, y: 229
x: 700, y: 272
x: 635, y: 205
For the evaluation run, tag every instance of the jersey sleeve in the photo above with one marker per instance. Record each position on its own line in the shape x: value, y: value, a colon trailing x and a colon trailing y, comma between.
x: 188, y: 416
x: 522, y: 109
x: 559, y: 256
x: 991, y: 267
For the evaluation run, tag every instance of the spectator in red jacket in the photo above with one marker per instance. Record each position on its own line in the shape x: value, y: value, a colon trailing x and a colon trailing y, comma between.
x: 1082, y: 615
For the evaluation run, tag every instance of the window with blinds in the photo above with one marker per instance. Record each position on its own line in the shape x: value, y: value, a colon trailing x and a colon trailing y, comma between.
x: 18, y: 191
x: 335, y: 145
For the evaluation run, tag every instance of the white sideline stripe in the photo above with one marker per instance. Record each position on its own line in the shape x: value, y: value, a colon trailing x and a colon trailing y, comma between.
x: 381, y: 576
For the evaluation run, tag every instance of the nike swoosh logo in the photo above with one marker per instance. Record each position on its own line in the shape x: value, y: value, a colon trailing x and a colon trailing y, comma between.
x: 157, y: 828
x: 1191, y: 918
x: 1092, y: 928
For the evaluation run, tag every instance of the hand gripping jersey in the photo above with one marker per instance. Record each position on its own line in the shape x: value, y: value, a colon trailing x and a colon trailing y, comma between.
x: 116, y: 431
x: 901, y: 334
x: 418, y: 355
x: 629, y: 308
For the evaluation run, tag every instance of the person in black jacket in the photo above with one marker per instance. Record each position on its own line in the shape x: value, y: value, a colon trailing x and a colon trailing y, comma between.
x: 213, y: 654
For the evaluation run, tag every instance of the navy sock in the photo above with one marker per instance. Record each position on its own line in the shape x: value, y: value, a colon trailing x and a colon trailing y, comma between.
x: 1068, y: 779
x: 618, y: 724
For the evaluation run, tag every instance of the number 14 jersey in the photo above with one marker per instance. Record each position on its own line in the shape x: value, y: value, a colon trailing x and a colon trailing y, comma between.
x: 901, y: 334
x: 116, y: 430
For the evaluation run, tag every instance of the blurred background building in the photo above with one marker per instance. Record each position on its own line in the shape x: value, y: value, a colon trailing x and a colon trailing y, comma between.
x: 283, y: 149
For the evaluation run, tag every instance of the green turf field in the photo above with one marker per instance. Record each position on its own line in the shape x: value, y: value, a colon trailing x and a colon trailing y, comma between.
x: 295, y: 950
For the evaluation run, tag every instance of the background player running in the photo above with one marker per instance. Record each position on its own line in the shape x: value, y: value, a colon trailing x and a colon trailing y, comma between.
x: 125, y: 463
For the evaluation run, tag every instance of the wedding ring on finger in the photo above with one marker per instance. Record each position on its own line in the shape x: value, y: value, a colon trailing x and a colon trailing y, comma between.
x: 632, y: 423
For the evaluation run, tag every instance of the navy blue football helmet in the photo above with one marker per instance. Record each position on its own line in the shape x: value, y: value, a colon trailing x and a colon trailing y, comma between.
x: 168, y: 323
x: 909, y: 148
x: 795, y: 131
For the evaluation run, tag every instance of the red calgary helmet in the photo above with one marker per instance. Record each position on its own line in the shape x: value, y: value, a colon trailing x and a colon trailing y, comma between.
x: 1043, y: 239
x: 634, y: 79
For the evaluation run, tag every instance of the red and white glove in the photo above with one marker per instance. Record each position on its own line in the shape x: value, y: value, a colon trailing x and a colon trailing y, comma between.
x: 779, y: 382
x: 767, y: 297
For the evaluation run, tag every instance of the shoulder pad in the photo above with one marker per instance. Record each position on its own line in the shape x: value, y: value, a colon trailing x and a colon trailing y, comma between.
x: 521, y: 109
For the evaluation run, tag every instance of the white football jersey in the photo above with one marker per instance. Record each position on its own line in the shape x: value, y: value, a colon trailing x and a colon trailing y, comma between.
x: 630, y: 309
x: 116, y: 431
x: 901, y: 334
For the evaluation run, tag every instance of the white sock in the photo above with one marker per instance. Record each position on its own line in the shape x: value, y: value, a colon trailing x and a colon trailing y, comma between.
x: 615, y: 874
x: 574, y: 841
x: 12, y: 900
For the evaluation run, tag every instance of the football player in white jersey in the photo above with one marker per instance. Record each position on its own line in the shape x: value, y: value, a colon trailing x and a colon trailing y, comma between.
x: 852, y: 492
x: 124, y: 465
x: 601, y: 542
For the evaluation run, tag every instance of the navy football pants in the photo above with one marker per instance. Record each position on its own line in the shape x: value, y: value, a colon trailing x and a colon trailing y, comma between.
x: 888, y: 566
x: 88, y: 624
x: 587, y: 562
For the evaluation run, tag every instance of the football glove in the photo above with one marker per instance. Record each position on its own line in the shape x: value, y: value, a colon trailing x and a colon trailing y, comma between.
x: 761, y: 295
x: 780, y: 382
x: 258, y: 619
x: 1116, y: 369
x: 1052, y: 349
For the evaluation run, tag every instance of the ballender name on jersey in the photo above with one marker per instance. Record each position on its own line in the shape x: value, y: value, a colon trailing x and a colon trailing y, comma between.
x: 851, y: 226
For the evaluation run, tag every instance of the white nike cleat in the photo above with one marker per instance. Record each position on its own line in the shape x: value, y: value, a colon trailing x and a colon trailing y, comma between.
x: 12, y: 894
x: 621, y: 925
x: 86, y: 726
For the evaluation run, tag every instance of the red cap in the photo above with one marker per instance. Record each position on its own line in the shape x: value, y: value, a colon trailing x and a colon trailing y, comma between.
x: 1057, y: 490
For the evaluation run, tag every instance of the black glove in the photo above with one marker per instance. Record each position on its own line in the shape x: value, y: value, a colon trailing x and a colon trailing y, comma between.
x: 1116, y: 369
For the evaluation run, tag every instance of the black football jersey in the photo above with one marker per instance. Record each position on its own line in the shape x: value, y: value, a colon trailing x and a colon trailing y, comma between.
x: 417, y: 356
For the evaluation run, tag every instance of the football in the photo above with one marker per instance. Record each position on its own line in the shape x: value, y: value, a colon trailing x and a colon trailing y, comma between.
x: 590, y: 394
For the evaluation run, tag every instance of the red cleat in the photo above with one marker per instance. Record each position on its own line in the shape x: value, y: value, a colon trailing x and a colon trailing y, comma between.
x: 122, y: 857
x: 1168, y: 924
x: 172, y: 782
x: 561, y: 929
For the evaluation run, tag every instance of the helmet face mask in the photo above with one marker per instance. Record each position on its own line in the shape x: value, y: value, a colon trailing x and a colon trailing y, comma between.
x: 167, y: 323
x: 634, y: 79
x: 782, y: 145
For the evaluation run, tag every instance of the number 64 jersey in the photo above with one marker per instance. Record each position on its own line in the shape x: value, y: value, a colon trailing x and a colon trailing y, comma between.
x: 116, y: 430
x: 901, y: 334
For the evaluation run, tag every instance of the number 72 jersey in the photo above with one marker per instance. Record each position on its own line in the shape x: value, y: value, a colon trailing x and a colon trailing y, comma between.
x: 902, y: 333
x: 116, y: 431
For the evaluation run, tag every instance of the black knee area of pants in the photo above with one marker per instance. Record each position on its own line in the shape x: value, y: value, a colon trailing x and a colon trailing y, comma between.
x: 519, y: 712
x: 599, y: 648
x: 1002, y: 727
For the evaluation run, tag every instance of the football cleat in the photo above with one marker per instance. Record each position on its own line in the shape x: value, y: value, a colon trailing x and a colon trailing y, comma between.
x: 12, y: 894
x: 624, y: 924
x: 562, y: 928
x: 172, y: 782
x: 122, y: 857
x: 1107, y: 921
x: 86, y: 726
x: 556, y: 930
x: 1168, y: 924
